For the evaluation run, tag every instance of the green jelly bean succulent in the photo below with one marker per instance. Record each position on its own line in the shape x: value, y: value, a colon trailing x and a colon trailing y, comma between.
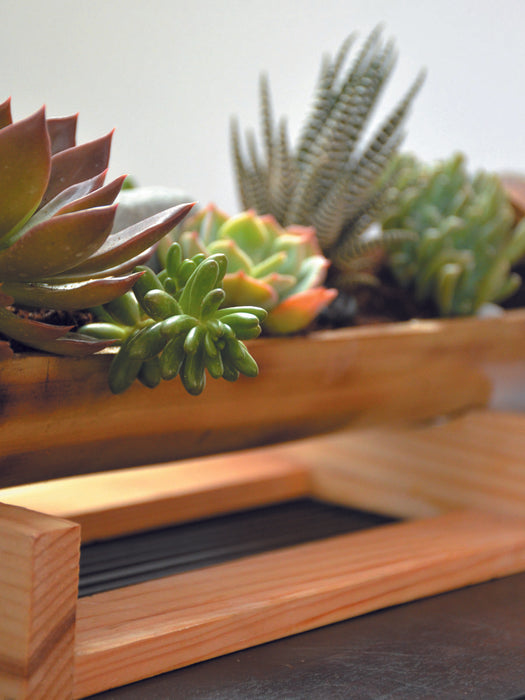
x: 58, y: 248
x: 333, y: 178
x: 175, y: 324
x: 463, y: 239
x: 280, y: 270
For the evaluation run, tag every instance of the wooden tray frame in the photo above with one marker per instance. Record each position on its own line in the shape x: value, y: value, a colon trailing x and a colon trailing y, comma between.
x: 53, y: 645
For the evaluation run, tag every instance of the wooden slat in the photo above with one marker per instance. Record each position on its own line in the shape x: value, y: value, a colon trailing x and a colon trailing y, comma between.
x: 475, y: 461
x: 59, y: 418
x: 38, y: 596
x: 150, y: 628
x: 115, y: 503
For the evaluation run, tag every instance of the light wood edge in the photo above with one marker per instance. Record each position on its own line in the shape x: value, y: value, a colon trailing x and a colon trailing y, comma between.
x: 474, y: 461
x: 150, y: 628
x: 116, y: 503
x: 39, y: 558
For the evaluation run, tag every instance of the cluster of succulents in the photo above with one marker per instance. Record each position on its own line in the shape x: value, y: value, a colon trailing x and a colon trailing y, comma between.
x: 58, y: 247
x: 334, y: 179
x: 280, y: 270
x: 175, y: 323
x: 461, y: 240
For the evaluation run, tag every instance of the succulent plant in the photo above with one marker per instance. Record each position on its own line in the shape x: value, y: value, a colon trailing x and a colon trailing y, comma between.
x: 57, y: 246
x: 332, y: 179
x: 280, y: 270
x: 463, y: 239
x: 175, y: 324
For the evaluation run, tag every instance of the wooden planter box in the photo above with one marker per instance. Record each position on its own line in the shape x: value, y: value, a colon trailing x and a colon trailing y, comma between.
x: 58, y: 419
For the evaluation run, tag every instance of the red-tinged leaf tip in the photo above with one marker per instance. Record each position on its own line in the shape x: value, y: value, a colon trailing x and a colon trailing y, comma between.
x: 5, y: 113
x: 243, y: 290
x: 100, y: 197
x: 62, y: 132
x: 297, y: 312
x: 77, y: 164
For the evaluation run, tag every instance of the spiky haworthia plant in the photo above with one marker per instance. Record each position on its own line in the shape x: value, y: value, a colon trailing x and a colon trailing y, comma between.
x: 463, y: 242
x: 281, y: 270
x: 176, y: 324
x: 57, y: 247
x: 330, y: 180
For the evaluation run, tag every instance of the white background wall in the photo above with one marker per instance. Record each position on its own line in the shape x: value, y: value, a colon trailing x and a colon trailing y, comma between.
x: 168, y: 74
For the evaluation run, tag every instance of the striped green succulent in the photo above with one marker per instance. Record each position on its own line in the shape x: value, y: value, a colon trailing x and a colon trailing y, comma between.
x: 461, y: 241
x: 58, y: 248
x: 333, y: 179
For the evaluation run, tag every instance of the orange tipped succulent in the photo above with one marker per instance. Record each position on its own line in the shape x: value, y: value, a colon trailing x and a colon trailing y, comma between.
x: 281, y: 270
x: 58, y: 249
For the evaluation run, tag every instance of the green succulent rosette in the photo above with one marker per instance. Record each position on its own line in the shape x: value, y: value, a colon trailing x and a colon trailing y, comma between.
x: 463, y: 239
x: 281, y: 270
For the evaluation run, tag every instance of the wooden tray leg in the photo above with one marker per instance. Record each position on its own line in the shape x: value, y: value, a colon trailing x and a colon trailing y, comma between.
x: 39, y: 557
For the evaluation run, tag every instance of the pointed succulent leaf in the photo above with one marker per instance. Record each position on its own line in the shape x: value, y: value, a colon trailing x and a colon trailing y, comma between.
x: 244, y: 290
x: 5, y: 113
x: 237, y: 258
x: 76, y: 165
x: 312, y: 273
x: 132, y: 241
x: 28, y: 331
x: 62, y: 200
x: 75, y: 295
x: 247, y: 231
x: 72, y: 345
x: 191, y: 244
x: 56, y: 244
x: 100, y: 197
x: 283, y: 285
x: 298, y: 311
x: 62, y: 132
x: 25, y: 158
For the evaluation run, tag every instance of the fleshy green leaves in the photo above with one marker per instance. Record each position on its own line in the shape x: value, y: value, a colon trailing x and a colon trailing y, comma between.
x: 267, y: 264
x: 463, y: 241
x: 174, y: 325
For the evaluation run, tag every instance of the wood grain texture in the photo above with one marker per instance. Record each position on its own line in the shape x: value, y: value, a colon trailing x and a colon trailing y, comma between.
x: 116, y: 503
x: 54, y: 407
x: 475, y: 461
x: 149, y: 628
x: 38, y: 597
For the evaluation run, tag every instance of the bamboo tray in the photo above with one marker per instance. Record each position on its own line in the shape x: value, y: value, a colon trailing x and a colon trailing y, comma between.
x: 53, y: 645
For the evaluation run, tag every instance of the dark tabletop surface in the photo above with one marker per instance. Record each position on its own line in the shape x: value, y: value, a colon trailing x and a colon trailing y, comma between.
x: 468, y: 643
